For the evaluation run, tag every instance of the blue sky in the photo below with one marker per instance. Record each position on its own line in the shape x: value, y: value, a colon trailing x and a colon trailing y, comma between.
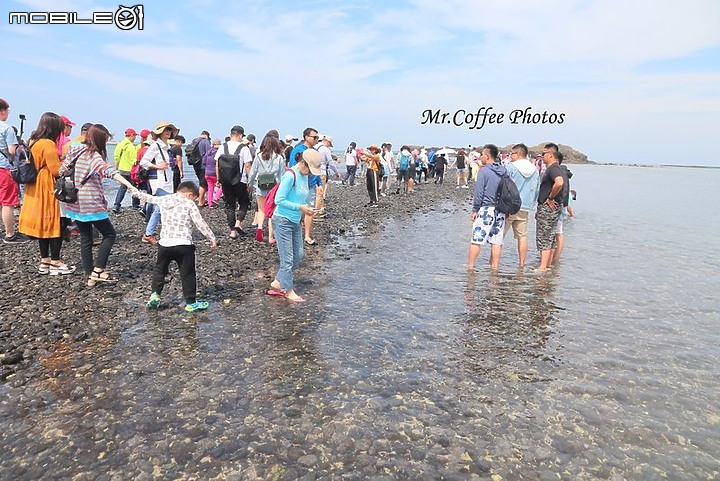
x: 638, y: 81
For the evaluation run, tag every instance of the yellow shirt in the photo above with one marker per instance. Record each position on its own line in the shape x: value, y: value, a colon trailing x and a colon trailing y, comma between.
x: 125, y: 155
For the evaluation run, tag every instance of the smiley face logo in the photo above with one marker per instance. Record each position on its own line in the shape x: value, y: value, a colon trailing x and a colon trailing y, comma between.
x: 127, y: 18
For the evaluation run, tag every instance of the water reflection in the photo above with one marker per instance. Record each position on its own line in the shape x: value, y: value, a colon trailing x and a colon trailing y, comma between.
x: 508, y: 322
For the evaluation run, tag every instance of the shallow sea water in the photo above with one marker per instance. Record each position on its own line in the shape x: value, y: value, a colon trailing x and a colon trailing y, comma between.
x: 404, y: 366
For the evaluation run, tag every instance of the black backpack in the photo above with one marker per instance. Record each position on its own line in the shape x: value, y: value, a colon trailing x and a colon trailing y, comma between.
x: 65, y: 187
x: 507, y: 199
x: 24, y: 170
x: 192, y: 152
x: 229, y: 166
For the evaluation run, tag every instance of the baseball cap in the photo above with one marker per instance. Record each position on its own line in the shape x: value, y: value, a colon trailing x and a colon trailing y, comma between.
x: 290, y: 138
x: 130, y: 131
x: 145, y: 132
x: 67, y: 121
x: 326, y: 137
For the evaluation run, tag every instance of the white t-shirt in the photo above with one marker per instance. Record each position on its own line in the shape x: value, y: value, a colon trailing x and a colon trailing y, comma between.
x: 158, y: 152
x: 245, y: 157
x: 351, y: 157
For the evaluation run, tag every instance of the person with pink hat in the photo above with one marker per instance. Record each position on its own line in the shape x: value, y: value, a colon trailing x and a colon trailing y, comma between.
x: 63, y: 140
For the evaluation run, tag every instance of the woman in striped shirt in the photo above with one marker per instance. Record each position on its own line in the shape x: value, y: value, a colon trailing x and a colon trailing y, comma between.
x: 91, y: 208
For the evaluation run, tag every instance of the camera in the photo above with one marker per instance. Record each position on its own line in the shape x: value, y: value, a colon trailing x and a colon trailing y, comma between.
x: 22, y: 116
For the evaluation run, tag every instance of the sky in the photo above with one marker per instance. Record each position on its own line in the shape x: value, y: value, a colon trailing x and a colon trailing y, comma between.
x: 635, y: 81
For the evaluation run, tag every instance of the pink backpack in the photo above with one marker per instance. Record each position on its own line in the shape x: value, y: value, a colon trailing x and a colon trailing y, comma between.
x: 270, y: 204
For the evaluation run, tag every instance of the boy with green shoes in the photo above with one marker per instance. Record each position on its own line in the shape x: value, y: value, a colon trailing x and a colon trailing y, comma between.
x: 178, y: 214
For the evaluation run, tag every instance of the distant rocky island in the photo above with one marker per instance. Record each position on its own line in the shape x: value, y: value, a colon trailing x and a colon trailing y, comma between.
x: 570, y: 155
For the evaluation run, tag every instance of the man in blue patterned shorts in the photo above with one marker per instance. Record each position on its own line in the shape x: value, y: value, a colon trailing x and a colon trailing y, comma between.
x: 488, y: 224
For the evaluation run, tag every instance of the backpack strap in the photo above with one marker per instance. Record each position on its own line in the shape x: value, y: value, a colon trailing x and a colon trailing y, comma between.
x: 237, y: 151
x: 225, y: 148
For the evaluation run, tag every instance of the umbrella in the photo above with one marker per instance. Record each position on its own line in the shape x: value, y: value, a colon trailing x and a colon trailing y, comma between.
x: 445, y: 151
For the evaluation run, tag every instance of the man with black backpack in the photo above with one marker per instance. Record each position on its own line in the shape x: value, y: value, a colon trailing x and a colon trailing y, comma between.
x: 488, y: 222
x: 234, y: 162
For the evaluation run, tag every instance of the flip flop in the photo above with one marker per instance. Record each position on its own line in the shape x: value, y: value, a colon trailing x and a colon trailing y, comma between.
x: 310, y: 242
x: 275, y: 292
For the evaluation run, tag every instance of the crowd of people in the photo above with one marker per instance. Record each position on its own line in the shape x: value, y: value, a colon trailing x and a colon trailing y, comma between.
x: 297, y: 171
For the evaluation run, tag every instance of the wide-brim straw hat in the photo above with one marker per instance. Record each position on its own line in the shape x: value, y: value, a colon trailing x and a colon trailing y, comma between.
x: 312, y: 158
x: 162, y: 125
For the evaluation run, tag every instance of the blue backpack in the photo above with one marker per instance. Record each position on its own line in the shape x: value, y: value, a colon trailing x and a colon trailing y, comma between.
x: 404, y: 163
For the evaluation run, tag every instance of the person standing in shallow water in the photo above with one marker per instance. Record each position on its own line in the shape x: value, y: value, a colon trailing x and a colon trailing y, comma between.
x: 549, y: 205
x: 488, y: 224
x: 527, y: 179
x: 291, y: 200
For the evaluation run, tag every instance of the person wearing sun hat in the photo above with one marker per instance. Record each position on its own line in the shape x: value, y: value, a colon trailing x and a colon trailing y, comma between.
x: 291, y: 201
x: 156, y: 161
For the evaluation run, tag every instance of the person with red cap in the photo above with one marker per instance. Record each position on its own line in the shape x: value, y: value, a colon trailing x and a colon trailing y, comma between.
x: 63, y: 140
x: 125, y: 157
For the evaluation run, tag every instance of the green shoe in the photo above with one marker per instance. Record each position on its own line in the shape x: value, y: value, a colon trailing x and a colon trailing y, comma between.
x: 197, y: 306
x: 154, y: 301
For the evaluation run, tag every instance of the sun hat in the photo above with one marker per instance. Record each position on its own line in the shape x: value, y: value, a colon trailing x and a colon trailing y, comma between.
x: 374, y: 148
x: 130, y: 131
x: 326, y: 137
x: 290, y: 138
x: 67, y: 121
x: 160, y: 127
x: 312, y: 157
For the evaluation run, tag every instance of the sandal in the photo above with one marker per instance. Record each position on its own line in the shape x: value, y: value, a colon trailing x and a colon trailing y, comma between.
x: 61, y: 269
x: 44, y: 268
x: 275, y: 292
x: 310, y: 242
x: 99, y: 277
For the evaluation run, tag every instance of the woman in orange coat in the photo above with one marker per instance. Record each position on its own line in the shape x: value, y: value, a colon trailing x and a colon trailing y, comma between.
x: 40, y: 212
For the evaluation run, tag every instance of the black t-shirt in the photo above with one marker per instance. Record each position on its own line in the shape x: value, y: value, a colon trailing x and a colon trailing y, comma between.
x: 547, y: 182
x: 440, y: 162
x: 175, y: 151
x: 460, y: 163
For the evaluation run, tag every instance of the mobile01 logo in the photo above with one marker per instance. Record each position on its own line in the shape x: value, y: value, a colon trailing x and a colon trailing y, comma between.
x: 124, y: 18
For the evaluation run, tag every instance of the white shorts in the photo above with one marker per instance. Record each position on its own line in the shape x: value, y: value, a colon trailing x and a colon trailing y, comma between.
x: 489, y: 227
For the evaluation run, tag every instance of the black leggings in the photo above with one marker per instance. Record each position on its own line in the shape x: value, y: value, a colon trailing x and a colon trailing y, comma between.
x: 372, y: 185
x: 236, y: 196
x: 50, y: 248
x: 185, y: 257
x: 107, y: 230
